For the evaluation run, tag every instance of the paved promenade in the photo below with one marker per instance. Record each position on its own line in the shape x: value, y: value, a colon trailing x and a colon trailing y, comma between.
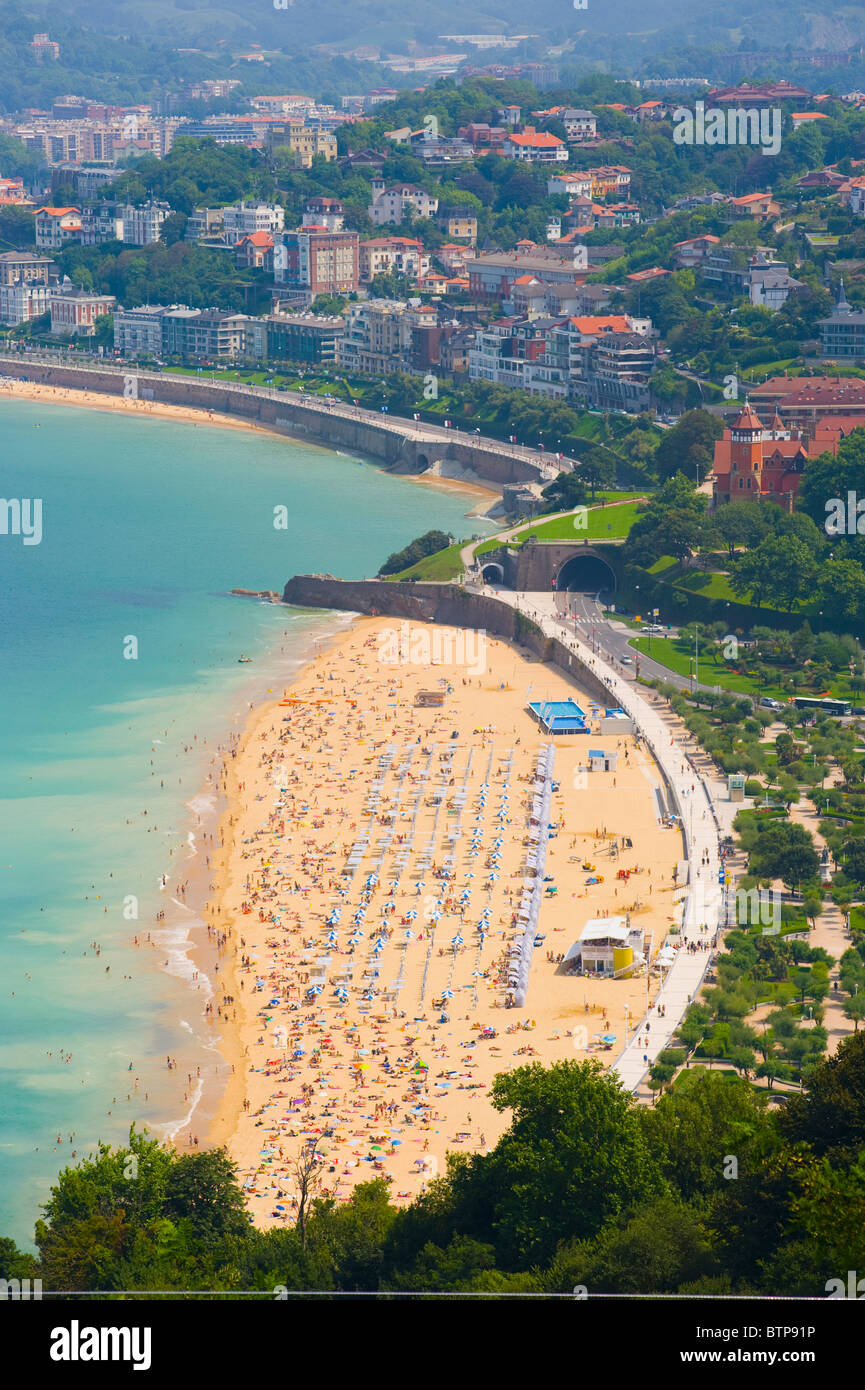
x: 693, y: 802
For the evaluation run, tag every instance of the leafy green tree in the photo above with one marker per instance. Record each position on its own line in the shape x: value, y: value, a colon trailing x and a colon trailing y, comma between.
x: 833, y: 476
x: 564, y: 492
x: 780, y: 569
x: 655, y: 1251
x: 678, y: 533
x: 739, y: 524
x: 830, y: 1116
x: 706, y: 1116
x: 574, y: 1157
x: 689, y: 446
x: 202, y: 1189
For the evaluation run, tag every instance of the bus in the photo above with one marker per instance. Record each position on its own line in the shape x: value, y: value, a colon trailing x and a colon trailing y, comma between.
x: 836, y: 707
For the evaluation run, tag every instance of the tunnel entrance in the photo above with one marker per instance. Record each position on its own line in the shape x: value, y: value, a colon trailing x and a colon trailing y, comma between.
x: 585, y: 574
x: 493, y: 573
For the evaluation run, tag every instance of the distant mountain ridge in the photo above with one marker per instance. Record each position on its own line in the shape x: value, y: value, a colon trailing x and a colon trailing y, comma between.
x: 814, y: 24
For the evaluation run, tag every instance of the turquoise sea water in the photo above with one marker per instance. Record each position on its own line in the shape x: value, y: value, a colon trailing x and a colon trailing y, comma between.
x: 146, y: 525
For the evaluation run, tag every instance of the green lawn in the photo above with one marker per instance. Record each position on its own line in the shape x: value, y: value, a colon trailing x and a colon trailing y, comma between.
x: 604, y: 523
x: 712, y: 585
x: 444, y: 565
x: 678, y: 656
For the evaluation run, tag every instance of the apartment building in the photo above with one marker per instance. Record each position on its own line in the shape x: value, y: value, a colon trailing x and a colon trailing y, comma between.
x: 324, y: 212
x: 579, y: 125
x: 535, y: 147
x: 309, y: 338
x: 316, y: 260
x: 373, y: 337
x: 45, y: 48
x: 691, y: 253
x: 211, y: 88
x: 459, y: 224
x: 514, y: 352
x: 242, y: 219
x: 25, y: 279
x: 842, y: 335
x: 491, y: 276
x: 25, y: 268
x: 206, y: 334
x: 600, y: 362
x: 203, y: 223
x: 57, y: 227
x: 311, y: 142
x: 81, y: 136
x: 616, y: 372
x: 397, y: 255
x: 22, y: 302
x: 571, y: 185
x: 390, y: 205
x: 142, y: 226
x: 74, y: 311
x: 139, y: 332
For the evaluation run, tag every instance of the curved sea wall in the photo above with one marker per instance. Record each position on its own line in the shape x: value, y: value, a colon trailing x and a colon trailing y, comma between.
x: 441, y: 603
x: 401, y: 445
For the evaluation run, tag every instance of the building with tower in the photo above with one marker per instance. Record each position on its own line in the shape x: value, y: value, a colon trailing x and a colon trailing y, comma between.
x: 753, y: 461
x: 842, y: 335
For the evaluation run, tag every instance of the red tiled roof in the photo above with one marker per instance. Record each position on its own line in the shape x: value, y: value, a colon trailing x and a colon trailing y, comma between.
x: 591, y: 323
x: 538, y: 140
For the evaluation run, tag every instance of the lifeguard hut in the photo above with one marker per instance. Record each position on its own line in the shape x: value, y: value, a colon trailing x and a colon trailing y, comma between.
x: 601, y: 761
x: 736, y: 786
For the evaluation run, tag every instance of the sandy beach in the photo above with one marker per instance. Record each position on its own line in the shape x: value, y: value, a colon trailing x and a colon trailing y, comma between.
x: 365, y: 899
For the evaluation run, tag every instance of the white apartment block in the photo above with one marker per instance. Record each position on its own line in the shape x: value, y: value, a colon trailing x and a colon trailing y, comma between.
x: 22, y: 302
x: 138, y: 332
x: 572, y: 185
x: 241, y: 219
x: 142, y: 226
x: 57, y: 227
x: 390, y: 205
x: 579, y: 125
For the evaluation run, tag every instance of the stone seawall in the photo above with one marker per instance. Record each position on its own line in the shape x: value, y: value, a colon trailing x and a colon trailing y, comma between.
x: 401, y: 446
x: 441, y: 603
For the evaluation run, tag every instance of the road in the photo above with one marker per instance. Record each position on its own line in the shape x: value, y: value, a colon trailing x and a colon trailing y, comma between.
x: 612, y: 640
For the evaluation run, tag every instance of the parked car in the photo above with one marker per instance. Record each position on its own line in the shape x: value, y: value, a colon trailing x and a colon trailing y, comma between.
x: 766, y: 703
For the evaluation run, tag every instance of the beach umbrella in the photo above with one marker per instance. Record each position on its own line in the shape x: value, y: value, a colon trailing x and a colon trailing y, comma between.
x: 411, y: 915
x: 408, y: 935
x: 456, y: 940
x: 447, y: 994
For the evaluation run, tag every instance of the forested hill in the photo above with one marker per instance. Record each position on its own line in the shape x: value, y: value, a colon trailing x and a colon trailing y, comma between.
x: 668, y: 23
x: 124, y: 45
